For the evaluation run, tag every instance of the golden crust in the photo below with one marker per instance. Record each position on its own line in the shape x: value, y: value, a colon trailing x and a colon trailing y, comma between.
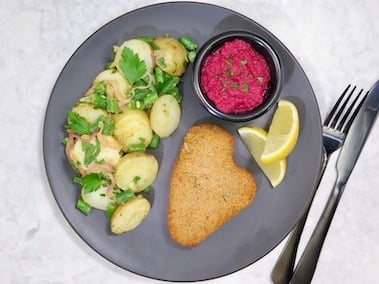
x: 207, y: 187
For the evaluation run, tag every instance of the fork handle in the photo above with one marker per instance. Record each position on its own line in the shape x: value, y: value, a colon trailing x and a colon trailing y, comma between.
x: 283, y: 269
x: 307, y: 264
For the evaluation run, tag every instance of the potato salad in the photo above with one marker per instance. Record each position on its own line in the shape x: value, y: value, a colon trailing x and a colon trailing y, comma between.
x: 131, y: 105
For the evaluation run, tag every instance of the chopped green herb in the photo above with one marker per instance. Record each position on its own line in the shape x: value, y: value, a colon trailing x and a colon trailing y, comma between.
x: 139, y: 94
x: 235, y: 85
x: 136, y: 179
x: 78, y: 124
x: 99, y: 101
x: 100, y: 89
x: 150, y: 98
x: 167, y: 85
x: 245, y: 88
x: 64, y: 141
x: 132, y: 66
x: 96, y: 124
x: 161, y: 62
x: 91, y: 151
x: 100, y: 162
x: 108, y: 127
x: 112, y: 106
x: 92, y: 182
x: 78, y: 179
x: 154, y: 46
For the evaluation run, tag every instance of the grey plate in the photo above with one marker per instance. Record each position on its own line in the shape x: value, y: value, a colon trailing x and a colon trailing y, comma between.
x: 148, y: 250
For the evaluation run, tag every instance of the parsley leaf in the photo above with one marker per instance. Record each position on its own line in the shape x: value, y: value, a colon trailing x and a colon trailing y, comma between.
x: 132, y: 66
x: 78, y: 124
x: 92, y: 182
x: 90, y: 151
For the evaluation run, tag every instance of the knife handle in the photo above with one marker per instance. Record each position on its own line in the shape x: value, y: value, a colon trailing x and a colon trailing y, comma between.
x: 283, y: 269
x: 306, y: 267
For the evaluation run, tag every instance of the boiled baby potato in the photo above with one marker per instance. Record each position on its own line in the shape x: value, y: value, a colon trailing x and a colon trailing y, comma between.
x: 109, y: 151
x: 129, y: 215
x: 165, y: 115
x: 140, y: 48
x: 116, y: 85
x: 136, y: 171
x: 132, y: 126
x: 89, y: 112
x: 97, y: 199
x: 170, y: 55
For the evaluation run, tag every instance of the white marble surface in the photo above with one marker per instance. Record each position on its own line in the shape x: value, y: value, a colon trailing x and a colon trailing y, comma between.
x: 336, y: 42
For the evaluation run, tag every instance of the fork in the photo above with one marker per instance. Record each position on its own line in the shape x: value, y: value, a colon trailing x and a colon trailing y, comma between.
x: 335, y: 128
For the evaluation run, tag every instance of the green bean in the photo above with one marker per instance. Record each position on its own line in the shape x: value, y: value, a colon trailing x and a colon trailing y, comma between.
x: 83, y: 206
x: 150, y: 98
x: 111, y: 208
x: 169, y: 84
x: 125, y: 195
x: 188, y: 43
x: 159, y: 75
x: 137, y: 147
x: 155, y: 141
x: 191, y: 56
x: 140, y: 94
x: 176, y: 94
x: 137, y: 104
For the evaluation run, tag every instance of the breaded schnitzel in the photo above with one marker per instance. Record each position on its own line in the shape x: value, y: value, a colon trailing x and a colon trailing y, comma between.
x: 207, y: 187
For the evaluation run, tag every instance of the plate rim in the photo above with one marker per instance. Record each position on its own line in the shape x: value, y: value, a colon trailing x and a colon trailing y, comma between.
x: 62, y: 70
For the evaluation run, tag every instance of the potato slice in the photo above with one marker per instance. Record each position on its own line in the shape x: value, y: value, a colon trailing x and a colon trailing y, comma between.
x: 132, y: 126
x: 97, y: 199
x: 109, y: 151
x: 136, y: 171
x: 89, y: 112
x: 165, y: 115
x: 129, y: 215
x: 116, y: 85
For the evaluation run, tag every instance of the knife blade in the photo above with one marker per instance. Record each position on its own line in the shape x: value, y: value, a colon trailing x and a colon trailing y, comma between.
x: 358, y: 133
x: 348, y: 156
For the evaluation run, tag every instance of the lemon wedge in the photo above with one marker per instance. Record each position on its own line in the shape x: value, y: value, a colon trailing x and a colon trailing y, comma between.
x: 255, y: 140
x: 282, y: 134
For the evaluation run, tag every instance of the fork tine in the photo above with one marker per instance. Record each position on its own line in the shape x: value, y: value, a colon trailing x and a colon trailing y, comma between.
x: 346, y: 127
x: 336, y: 105
x: 339, y: 113
x: 348, y: 111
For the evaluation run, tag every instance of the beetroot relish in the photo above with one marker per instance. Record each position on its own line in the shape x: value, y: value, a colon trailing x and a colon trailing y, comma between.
x: 235, y: 77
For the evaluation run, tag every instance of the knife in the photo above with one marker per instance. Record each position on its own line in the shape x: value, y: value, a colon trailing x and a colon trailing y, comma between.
x: 347, y: 159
